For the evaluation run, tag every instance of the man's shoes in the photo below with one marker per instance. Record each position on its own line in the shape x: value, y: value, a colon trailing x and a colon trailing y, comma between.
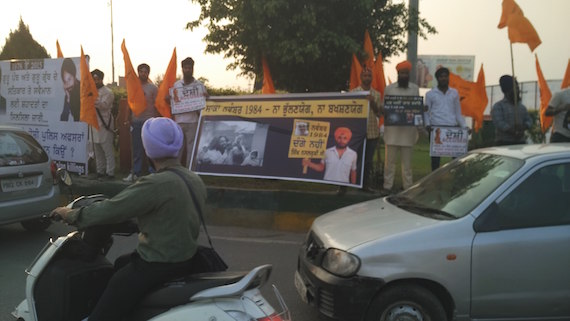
x: 131, y: 178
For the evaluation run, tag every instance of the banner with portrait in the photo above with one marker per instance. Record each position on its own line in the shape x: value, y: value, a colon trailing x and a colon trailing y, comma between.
x: 276, y: 136
x: 42, y: 96
x: 448, y: 141
x: 427, y: 65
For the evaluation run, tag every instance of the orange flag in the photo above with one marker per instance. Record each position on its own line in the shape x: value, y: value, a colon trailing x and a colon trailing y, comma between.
x: 59, y: 53
x: 88, y: 94
x: 379, y: 80
x: 355, y: 71
x: 545, y: 96
x: 369, y: 49
x: 268, y: 87
x: 135, y: 94
x: 168, y: 81
x: 566, y: 79
x: 519, y: 28
x: 473, y: 96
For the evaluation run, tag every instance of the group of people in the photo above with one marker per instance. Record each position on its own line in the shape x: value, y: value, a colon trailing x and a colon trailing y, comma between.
x: 223, y: 151
x: 442, y: 109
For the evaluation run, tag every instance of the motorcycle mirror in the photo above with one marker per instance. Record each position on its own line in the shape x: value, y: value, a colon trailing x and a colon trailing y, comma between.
x: 63, y: 176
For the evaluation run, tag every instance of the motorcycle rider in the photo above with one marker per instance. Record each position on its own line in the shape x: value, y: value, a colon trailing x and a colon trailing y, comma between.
x: 167, y: 219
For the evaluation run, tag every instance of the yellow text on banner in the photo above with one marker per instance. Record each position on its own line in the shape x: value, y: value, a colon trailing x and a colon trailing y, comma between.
x: 309, y: 139
x: 331, y: 108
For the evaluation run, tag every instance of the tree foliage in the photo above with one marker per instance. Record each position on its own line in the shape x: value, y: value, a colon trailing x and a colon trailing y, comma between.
x: 307, y: 43
x: 21, y: 45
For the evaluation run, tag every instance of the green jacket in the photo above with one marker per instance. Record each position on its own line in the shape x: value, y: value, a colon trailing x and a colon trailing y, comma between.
x: 167, y: 218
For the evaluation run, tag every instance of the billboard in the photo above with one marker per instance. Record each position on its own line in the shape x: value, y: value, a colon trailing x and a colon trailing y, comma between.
x: 428, y: 64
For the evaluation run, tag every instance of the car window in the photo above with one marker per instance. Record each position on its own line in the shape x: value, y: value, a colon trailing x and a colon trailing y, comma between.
x: 461, y: 185
x: 543, y: 199
x: 20, y: 148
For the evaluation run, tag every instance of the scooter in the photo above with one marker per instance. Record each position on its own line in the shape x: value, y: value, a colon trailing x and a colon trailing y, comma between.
x: 69, y: 275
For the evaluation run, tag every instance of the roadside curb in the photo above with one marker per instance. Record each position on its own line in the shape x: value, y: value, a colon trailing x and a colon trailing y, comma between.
x: 269, y: 209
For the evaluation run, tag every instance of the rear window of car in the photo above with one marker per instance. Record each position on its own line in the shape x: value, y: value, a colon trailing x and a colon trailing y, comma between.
x: 20, y: 148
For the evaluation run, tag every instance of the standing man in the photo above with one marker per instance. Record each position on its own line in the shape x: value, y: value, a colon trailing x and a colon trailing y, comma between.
x: 558, y: 107
x: 400, y: 139
x: 103, y: 137
x: 339, y: 163
x: 372, y: 130
x: 510, y: 121
x: 150, y: 91
x: 443, y: 108
x: 189, y: 121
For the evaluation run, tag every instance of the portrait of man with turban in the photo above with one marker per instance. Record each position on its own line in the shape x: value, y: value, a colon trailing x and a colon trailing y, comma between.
x: 339, y: 163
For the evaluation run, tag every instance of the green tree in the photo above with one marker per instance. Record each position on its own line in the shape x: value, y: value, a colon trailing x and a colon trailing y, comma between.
x: 308, y: 43
x: 21, y: 45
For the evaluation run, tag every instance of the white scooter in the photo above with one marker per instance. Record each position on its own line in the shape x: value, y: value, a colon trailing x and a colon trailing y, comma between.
x: 70, y: 273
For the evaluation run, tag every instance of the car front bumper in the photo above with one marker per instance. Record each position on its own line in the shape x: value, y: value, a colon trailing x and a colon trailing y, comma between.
x: 336, y: 297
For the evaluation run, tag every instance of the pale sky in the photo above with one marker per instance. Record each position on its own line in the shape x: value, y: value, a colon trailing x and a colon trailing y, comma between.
x: 153, y: 28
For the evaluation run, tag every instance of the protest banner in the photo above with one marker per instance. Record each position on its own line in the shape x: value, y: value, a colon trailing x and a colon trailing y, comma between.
x: 186, y: 99
x: 448, y: 141
x: 269, y: 136
x: 41, y: 96
x: 403, y: 111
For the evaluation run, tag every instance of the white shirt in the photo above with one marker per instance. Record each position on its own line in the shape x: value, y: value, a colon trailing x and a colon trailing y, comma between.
x: 338, y: 168
x: 444, y: 109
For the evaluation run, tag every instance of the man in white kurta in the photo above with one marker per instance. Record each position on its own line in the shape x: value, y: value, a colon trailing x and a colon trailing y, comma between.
x: 400, y: 139
x: 103, y: 137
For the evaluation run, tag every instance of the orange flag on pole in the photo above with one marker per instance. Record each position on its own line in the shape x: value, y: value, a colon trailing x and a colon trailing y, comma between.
x: 566, y: 79
x: 355, y: 71
x: 88, y: 94
x: 473, y: 96
x: 545, y: 96
x: 379, y: 80
x: 135, y: 94
x: 168, y: 81
x: 369, y: 49
x: 59, y: 53
x: 268, y: 87
x: 519, y: 27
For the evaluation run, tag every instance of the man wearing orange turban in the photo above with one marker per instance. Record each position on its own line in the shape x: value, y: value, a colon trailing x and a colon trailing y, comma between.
x: 400, y: 139
x: 339, y: 163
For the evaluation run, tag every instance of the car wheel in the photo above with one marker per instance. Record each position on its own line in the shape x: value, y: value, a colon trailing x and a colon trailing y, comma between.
x: 37, y: 224
x: 409, y: 302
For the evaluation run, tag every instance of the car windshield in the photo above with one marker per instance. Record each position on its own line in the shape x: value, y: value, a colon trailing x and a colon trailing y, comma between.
x: 19, y: 148
x: 458, y: 187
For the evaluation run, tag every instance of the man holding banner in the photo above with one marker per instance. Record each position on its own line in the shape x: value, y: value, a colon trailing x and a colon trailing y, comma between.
x: 443, y: 108
x: 400, y: 133
x: 188, y: 97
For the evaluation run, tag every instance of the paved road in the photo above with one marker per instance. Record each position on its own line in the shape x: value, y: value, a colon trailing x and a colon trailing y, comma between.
x: 242, y: 248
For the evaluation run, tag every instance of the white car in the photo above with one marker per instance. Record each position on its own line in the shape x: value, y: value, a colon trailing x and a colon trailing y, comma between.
x: 28, y: 183
x: 485, y: 237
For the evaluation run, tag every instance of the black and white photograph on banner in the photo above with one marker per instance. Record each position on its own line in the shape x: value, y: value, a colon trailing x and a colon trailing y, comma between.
x: 234, y: 143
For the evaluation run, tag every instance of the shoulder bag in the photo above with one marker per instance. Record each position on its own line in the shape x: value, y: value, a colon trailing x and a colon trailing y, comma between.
x: 209, y: 259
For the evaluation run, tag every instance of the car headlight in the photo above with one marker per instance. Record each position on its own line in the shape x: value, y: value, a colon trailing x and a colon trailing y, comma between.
x: 340, y: 263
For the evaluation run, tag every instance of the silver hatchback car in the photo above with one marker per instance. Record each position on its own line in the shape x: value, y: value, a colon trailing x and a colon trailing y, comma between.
x: 28, y: 182
x: 485, y: 237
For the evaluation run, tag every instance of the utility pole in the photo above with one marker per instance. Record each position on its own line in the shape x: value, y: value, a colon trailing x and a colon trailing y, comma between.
x: 413, y: 8
x: 112, y: 47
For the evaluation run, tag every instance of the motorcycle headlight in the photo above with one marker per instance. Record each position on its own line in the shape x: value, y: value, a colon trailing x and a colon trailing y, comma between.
x: 340, y: 263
